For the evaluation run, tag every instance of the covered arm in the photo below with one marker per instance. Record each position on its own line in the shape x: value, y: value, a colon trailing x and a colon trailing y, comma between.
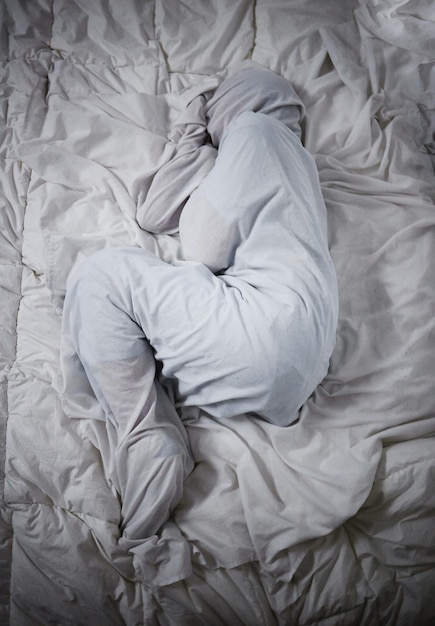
x: 191, y: 158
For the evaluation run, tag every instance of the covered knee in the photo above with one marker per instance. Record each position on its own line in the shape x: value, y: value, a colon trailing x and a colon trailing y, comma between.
x: 258, y: 90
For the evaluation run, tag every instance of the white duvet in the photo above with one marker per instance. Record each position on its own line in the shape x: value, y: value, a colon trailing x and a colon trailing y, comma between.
x: 329, y: 521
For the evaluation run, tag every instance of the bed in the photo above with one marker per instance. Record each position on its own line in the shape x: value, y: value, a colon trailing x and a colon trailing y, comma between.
x: 330, y: 521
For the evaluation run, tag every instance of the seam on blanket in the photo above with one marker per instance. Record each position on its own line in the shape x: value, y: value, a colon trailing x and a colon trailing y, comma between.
x: 7, y: 399
x: 13, y: 363
x: 51, y: 25
x: 22, y: 506
x: 154, y: 22
x: 20, y: 265
x: 254, y: 29
x: 159, y: 45
x: 50, y: 47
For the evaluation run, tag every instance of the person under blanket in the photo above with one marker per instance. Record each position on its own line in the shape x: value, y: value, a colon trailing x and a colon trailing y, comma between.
x: 244, y: 324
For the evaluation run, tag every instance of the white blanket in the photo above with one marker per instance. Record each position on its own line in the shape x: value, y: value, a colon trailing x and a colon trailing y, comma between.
x: 328, y: 521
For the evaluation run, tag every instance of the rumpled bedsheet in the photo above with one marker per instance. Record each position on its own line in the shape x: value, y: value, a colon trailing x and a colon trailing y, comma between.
x: 330, y: 521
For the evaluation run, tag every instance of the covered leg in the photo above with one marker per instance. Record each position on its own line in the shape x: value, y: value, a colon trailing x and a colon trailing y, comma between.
x: 146, y: 455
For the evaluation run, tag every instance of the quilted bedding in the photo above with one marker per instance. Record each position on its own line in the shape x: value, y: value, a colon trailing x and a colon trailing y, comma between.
x: 330, y: 521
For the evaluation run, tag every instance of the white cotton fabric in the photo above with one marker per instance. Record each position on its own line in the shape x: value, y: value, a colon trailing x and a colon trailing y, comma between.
x: 254, y: 339
x: 329, y: 520
x: 258, y: 220
x: 264, y: 204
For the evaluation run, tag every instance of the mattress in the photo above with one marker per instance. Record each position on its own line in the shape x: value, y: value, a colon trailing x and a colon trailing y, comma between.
x: 330, y: 521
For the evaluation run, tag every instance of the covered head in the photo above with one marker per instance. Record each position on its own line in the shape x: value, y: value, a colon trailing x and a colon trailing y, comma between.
x: 253, y: 89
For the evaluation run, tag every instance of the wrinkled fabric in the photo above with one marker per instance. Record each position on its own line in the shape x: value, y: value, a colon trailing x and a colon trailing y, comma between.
x: 331, y: 519
x: 255, y: 339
